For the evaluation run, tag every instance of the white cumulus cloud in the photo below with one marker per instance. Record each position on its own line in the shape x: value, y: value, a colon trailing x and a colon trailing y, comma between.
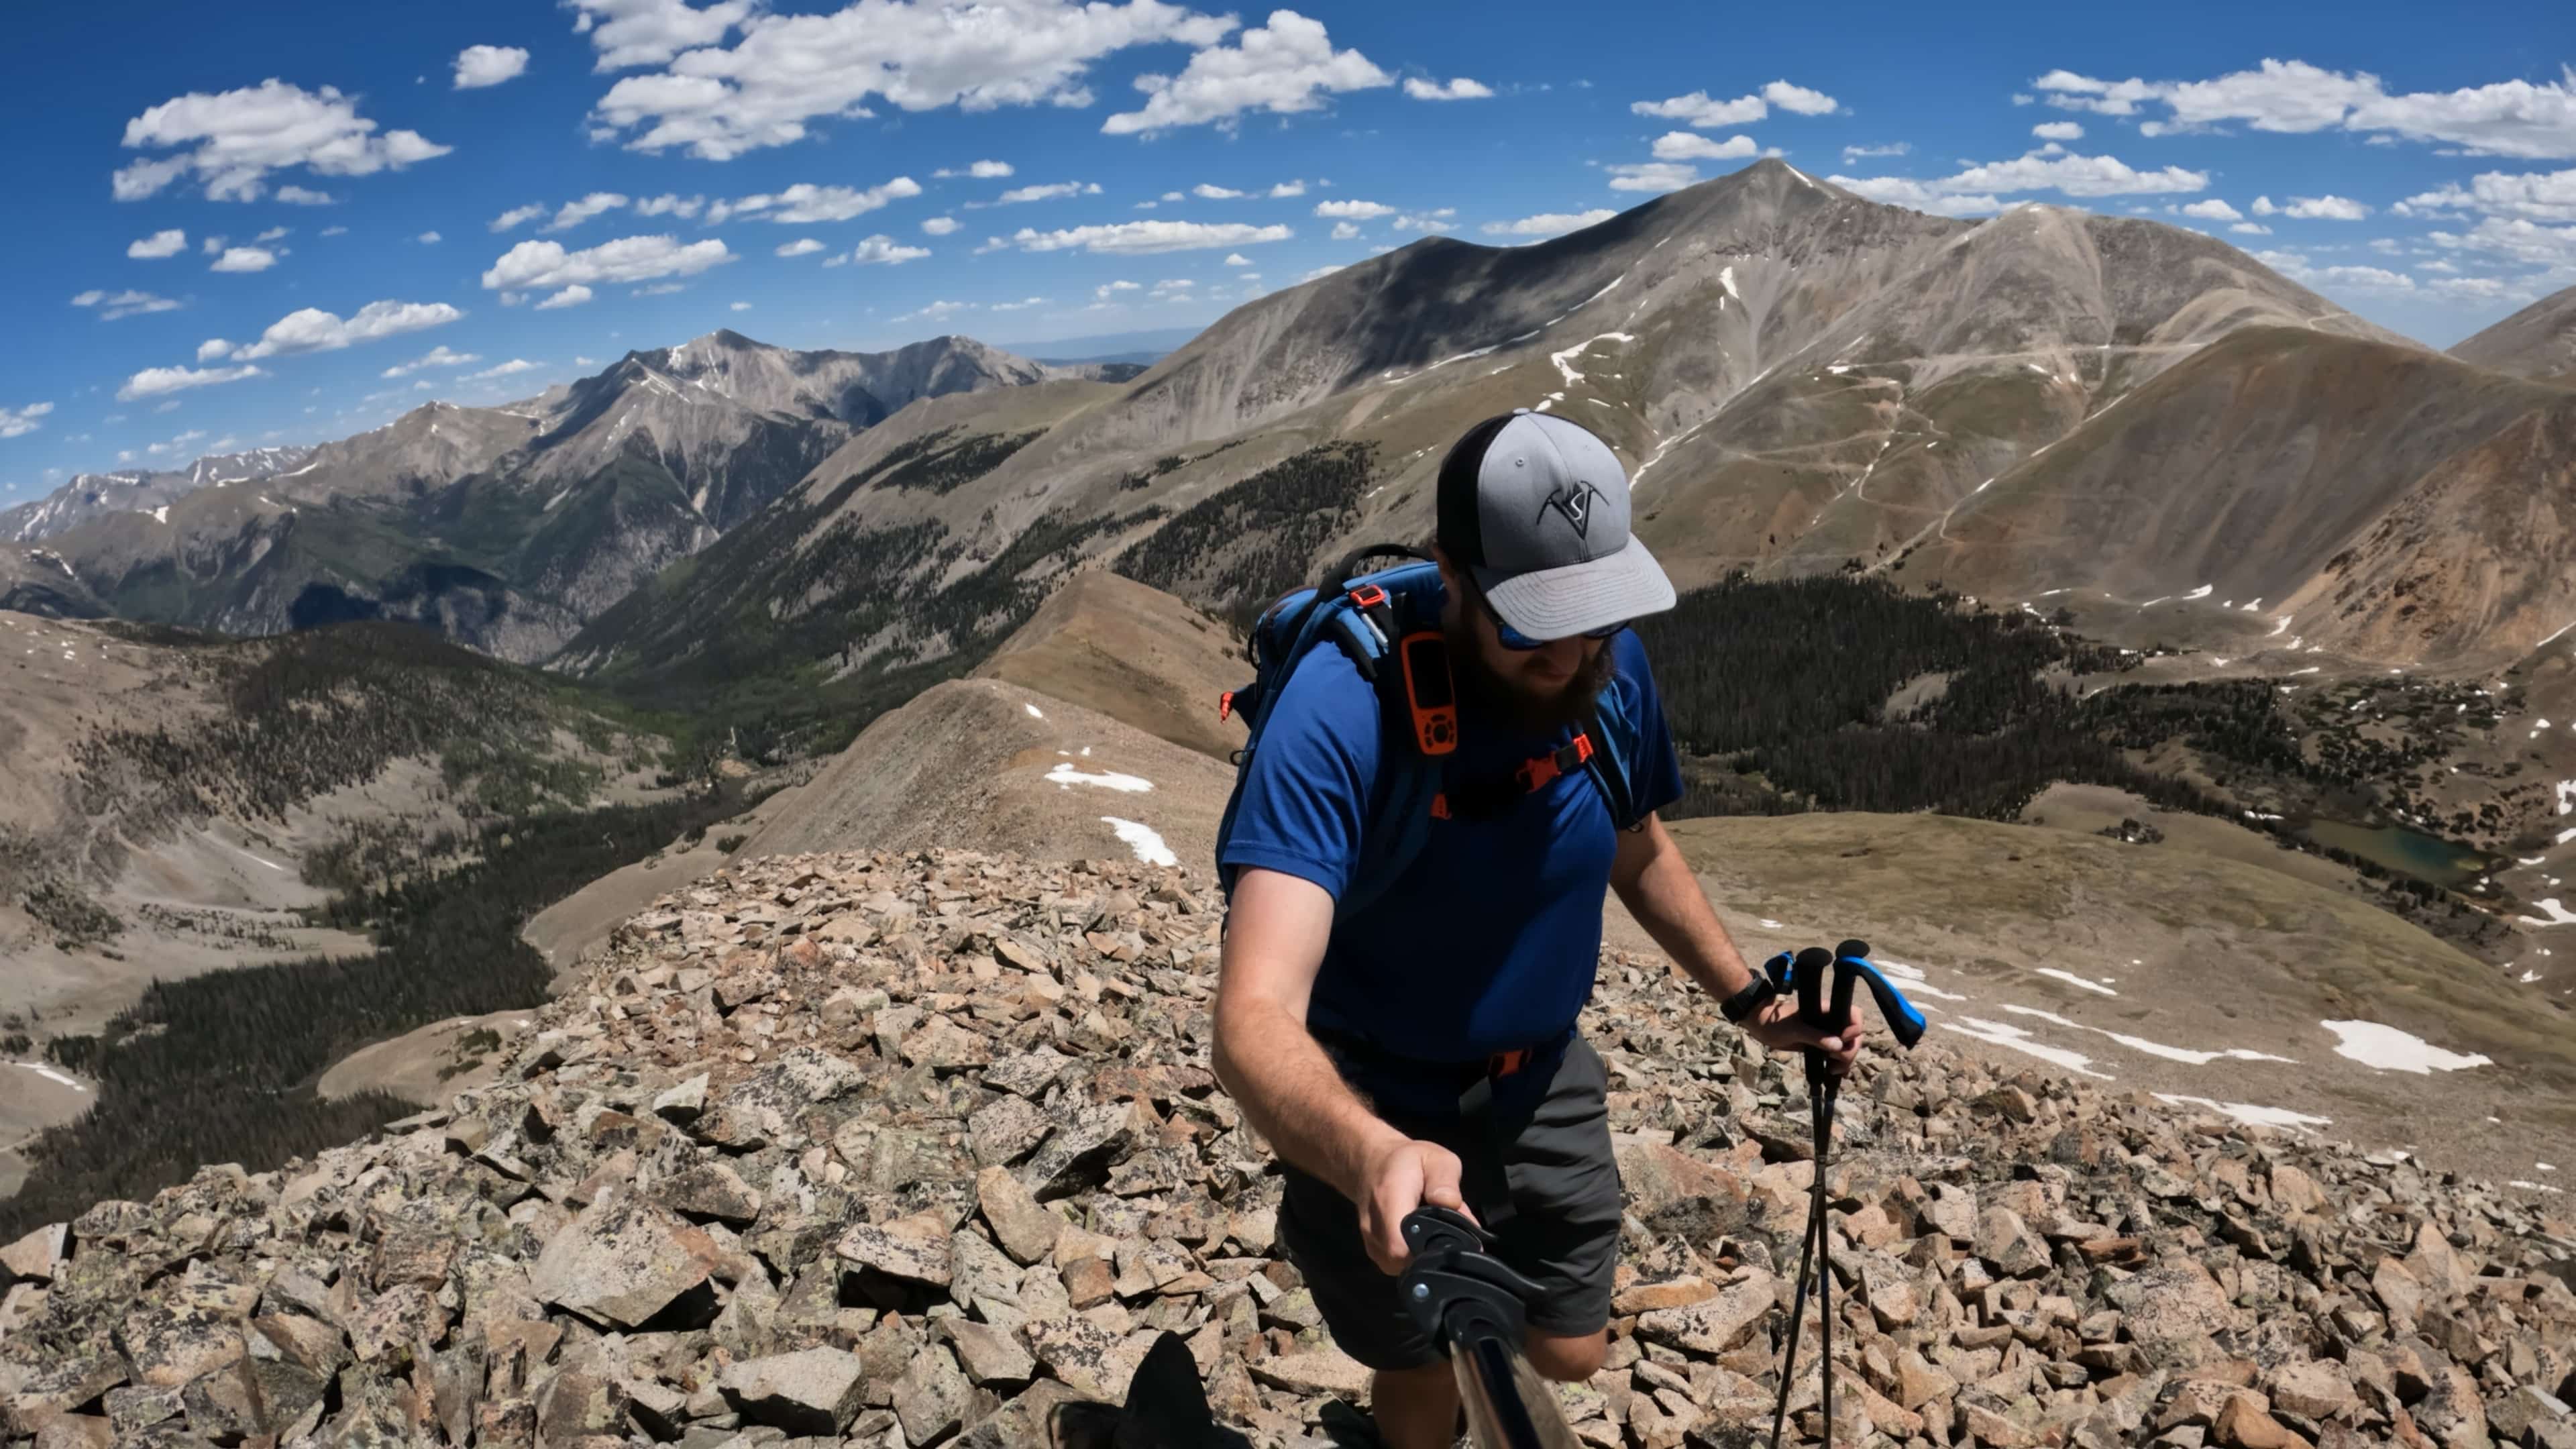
x: 298, y: 196
x: 2058, y: 131
x: 981, y: 171
x: 884, y: 251
x: 232, y: 140
x: 160, y: 244
x: 1799, y: 99
x: 572, y: 296
x: 670, y: 205
x: 1283, y: 67
x: 941, y: 225
x: 510, y: 368
x: 534, y: 264
x: 574, y: 213
x: 1893, y: 148
x: 244, y: 259
x: 114, y: 305
x: 478, y: 66
x: 153, y: 381
x: 1353, y: 210
x: 18, y: 422
x: 806, y: 204
x: 437, y: 356
x: 1458, y: 89
x: 2530, y: 196
x: 2212, y: 210
x: 1344, y: 231
x: 1286, y: 189
x: 1684, y: 146
x: 1919, y: 195
x: 801, y: 247
x: 1140, y: 237
x: 786, y: 71
x: 1021, y: 195
x: 516, y: 216
x: 1652, y: 176
x: 215, y: 347
x: 429, y: 238
x: 1697, y: 109
x: 1549, y: 223
x: 2506, y: 118
x: 1207, y: 191
x: 310, y: 329
x: 2325, y: 208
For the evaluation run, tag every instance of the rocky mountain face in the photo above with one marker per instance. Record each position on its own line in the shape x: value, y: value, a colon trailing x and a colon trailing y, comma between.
x: 38, y: 581
x: 2537, y: 342
x: 93, y: 495
x: 1797, y: 377
x: 924, y: 1149
x: 508, y: 527
x: 2432, y: 521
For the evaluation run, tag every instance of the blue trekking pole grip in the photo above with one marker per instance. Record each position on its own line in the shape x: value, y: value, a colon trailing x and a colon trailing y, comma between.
x: 1851, y: 961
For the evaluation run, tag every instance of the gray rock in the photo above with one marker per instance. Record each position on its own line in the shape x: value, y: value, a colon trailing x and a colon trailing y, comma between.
x: 811, y: 1391
x: 622, y: 1261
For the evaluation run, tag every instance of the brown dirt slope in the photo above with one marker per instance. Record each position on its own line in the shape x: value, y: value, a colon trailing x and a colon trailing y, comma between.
x: 967, y: 764
x: 2537, y: 342
x: 1133, y: 653
x: 2398, y: 506
x: 2192, y: 952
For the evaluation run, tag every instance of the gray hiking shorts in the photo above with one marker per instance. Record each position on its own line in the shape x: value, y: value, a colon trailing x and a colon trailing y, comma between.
x: 1561, y: 1230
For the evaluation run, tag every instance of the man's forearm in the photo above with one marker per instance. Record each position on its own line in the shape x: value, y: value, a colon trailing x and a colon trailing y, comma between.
x: 1666, y: 899
x: 1289, y: 1088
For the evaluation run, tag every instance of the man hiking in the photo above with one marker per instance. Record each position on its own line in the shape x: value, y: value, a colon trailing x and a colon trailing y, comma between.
x: 1421, y: 1048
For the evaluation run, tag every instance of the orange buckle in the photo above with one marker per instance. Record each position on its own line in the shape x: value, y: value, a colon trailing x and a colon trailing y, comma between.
x: 1225, y: 706
x: 1535, y: 774
x: 1505, y: 1064
x: 1368, y: 596
x: 1439, y: 807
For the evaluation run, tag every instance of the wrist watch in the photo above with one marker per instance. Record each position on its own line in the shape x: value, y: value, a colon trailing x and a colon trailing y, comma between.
x: 1748, y: 1001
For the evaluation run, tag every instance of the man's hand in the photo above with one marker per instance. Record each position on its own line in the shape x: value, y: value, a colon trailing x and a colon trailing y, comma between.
x: 1777, y: 1026
x: 1402, y: 1175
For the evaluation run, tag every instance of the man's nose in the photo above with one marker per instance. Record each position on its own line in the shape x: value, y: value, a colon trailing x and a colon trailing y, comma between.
x: 1563, y: 656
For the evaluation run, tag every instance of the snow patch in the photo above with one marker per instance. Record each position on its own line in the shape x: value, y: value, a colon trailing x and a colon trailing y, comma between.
x: 50, y: 1075
x: 1142, y: 839
x: 2003, y: 1034
x: 2186, y: 1055
x: 1912, y: 976
x: 2534, y: 1186
x: 1726, y: 279
x: 1566, y: 367
x: 1066, y: 777
x: 2248, y: 1113
x: 1032, y: 709
x: 2203, y: 592
x: 2385, y: 1048
x: 2071, y: 979
x: 2558, y: 915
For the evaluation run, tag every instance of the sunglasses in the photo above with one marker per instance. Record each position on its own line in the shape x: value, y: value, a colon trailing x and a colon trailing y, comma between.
x: 1513, y: 639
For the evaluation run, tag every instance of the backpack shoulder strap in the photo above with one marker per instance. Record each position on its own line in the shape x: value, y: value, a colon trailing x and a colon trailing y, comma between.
x: 1614, y: 732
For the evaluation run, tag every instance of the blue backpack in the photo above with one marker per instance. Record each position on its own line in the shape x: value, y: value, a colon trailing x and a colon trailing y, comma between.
x: 1388, y: 623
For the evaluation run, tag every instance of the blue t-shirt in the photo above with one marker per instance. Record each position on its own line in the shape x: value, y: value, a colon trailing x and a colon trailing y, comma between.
x: 1489, y: 940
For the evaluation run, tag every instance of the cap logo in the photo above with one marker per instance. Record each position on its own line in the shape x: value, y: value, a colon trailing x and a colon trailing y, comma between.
x: 1573, y: 504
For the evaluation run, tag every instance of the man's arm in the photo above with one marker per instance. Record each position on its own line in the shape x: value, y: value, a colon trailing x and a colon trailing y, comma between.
x: 1662, y: 892
x: 1275, y: 935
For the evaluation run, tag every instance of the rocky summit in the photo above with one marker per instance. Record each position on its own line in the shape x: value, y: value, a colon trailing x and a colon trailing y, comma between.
x: 908, y: 1150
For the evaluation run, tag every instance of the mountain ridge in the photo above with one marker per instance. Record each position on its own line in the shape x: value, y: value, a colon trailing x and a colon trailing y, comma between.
x: 508, y: 527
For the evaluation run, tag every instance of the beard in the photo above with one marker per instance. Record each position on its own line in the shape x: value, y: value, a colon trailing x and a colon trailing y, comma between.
x: 1534, y: 712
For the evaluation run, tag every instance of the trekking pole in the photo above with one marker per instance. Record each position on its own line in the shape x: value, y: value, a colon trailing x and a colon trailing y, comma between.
x: 1849, y: 965
x: 1476, y: 1308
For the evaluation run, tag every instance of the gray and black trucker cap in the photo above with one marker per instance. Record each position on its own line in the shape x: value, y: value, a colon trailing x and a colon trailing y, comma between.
x: 1536, y: 506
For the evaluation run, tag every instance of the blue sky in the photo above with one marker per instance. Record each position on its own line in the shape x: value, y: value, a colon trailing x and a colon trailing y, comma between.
x: 283, y: 223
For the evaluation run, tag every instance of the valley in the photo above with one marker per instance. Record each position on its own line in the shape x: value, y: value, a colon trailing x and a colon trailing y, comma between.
x: 2082, y: 538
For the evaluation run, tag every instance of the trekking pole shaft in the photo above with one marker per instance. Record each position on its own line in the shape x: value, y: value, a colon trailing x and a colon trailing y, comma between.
x: 1824, y: 1116
x: 1797, y: 1318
